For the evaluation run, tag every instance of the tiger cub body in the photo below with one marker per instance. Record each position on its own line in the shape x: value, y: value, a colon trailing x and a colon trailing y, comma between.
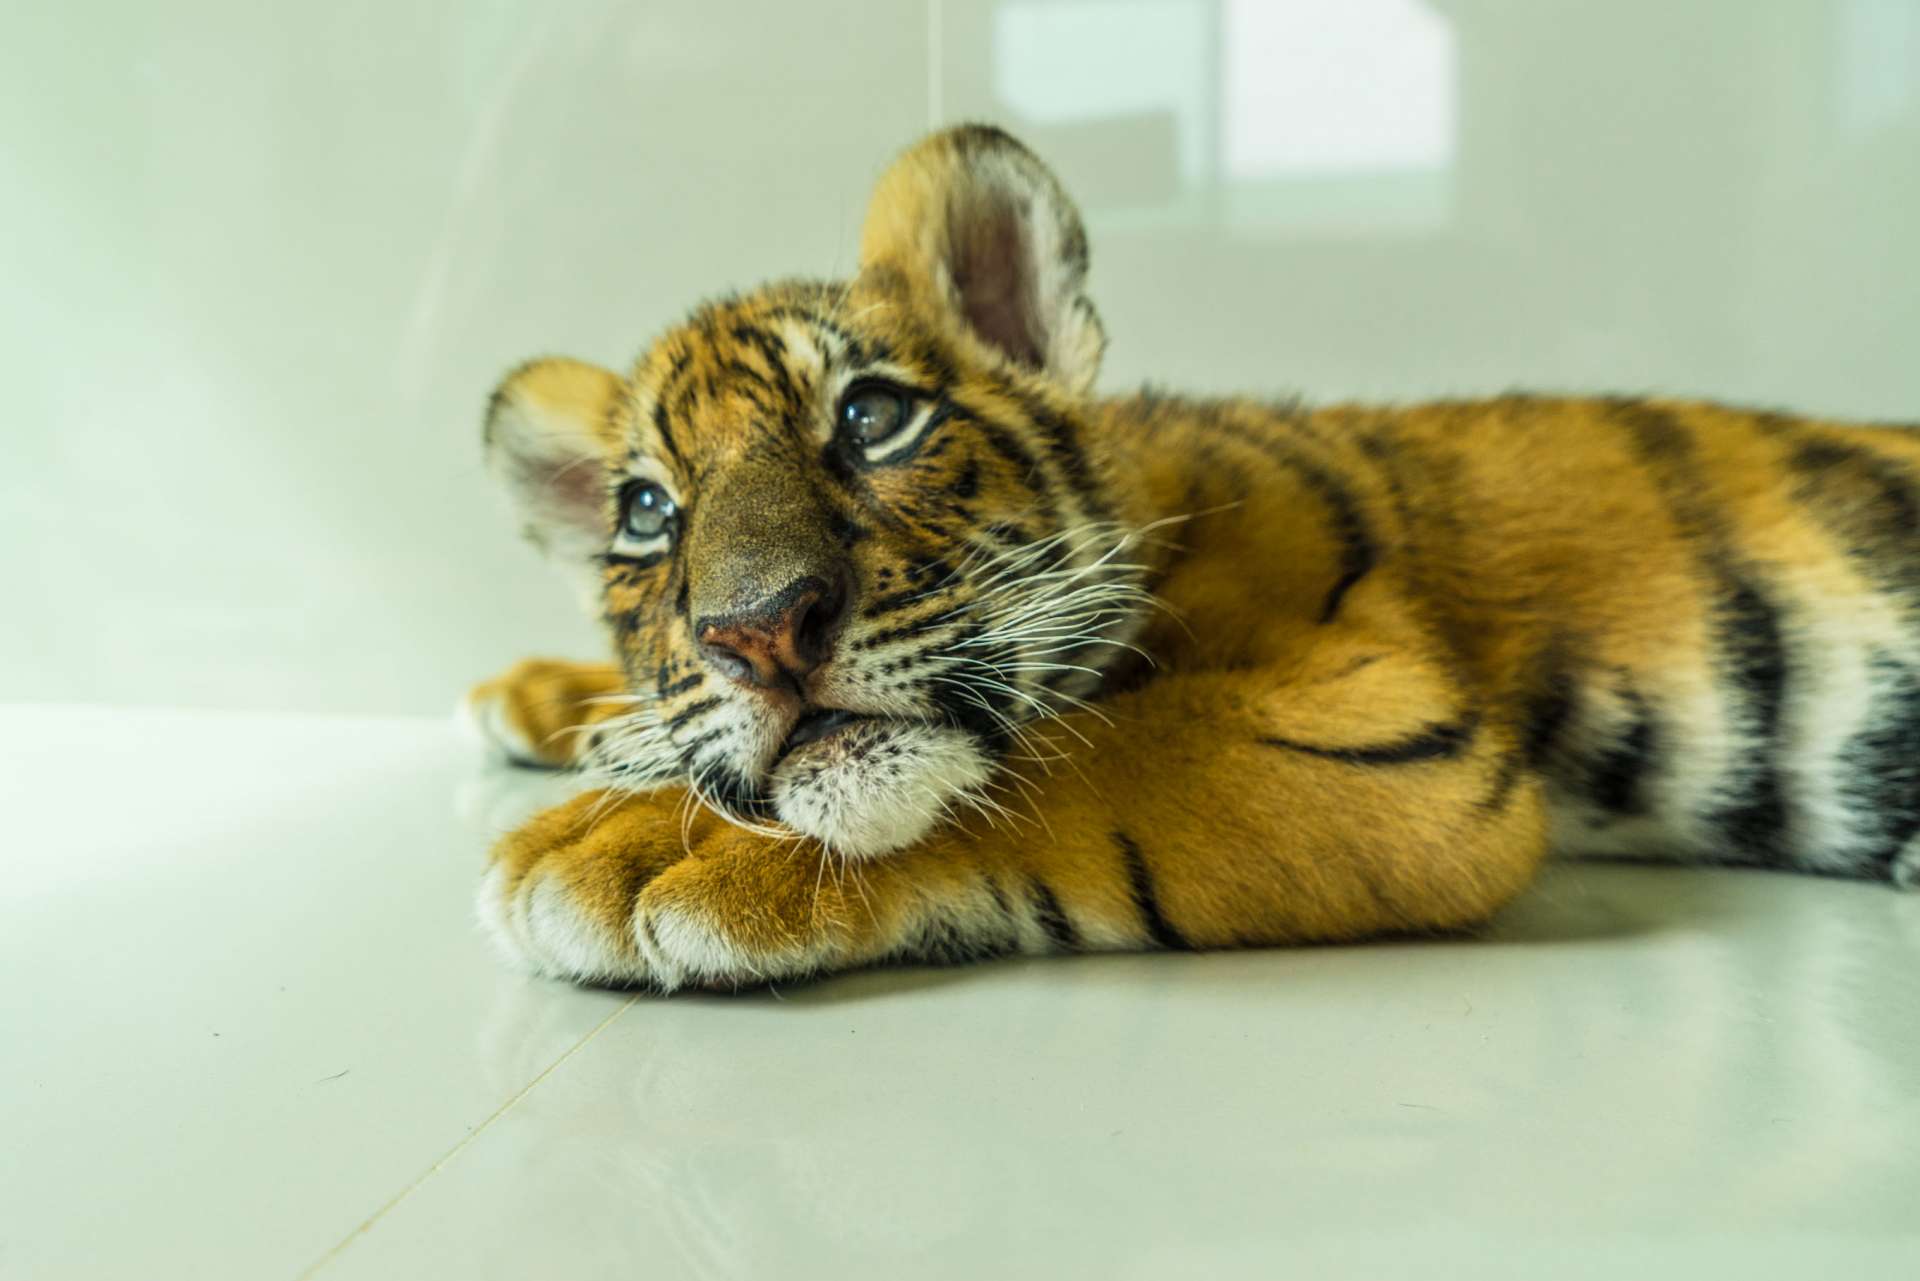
x: 926, y: 652
x: 1705, y: 616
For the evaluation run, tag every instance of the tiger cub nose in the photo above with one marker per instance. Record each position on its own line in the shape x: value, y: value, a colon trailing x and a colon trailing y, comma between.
x: 780, y: 640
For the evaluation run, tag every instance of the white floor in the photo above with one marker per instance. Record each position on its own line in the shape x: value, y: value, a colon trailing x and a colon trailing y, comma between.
x: 250, y: 1031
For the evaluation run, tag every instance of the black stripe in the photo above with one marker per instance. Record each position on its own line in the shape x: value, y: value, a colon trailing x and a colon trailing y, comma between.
x: 916, y: 443
x: 1063, y: 444
x: 758, y: 381
x: 1359, y: 553
x: 895, y: 602
x: 683, y: 403
x: 645, y: 924
x: 1869, y: 502
x: 1880, y: 765
x: 666, y: 433
x: 858, y: 351
x: 680, y: 686
x: 1615, y: 773
x: 943, y: 411
x: 676, y: 374
x: 1747, y: 633
x: 772, y: 349
x: 620, y: 561
x: 943, y: 937
x: 1145, y: 902
x: 846, y: 530
x: 1512, y: 765
x: 1052, y: 917
x: 1891, y: 506
x: 1432, y: 743
x: 691, y: 710
x: 891, y: 634
x: 1003, y: 442
x: 930, y: 571
x: 1546, y: 717
x: 691, y: 748
x: 1548, y: 711
x: 967, y: 483
x: 838, y: 462
x: 1009, y: 940
x: 1409, y: 468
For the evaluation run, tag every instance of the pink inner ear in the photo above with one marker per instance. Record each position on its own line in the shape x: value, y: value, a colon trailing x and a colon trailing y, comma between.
x: 995, y: 279
x: 570, y: 490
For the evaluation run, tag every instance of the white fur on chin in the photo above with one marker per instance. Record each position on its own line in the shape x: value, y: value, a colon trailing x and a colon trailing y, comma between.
x: 878, y: 786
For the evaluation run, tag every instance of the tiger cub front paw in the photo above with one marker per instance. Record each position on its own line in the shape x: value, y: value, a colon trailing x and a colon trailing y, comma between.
x: 641, y: 891
x: 559, y: 897
x: 543, y: 711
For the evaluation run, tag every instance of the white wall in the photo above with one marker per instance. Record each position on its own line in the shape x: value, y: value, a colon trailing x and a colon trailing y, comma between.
x: 263, y: 261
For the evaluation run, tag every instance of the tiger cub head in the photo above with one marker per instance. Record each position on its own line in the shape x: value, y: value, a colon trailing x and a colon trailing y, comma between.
x: 848, y: 537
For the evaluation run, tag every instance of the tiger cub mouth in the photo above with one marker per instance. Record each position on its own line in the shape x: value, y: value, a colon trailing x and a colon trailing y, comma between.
x: 820, y: 724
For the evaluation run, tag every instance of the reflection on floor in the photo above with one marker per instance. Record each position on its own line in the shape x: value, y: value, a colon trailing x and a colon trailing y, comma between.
x: 252, y: 1029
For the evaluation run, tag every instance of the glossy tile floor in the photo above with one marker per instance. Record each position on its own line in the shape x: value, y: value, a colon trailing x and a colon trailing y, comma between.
x: 250, y: 1031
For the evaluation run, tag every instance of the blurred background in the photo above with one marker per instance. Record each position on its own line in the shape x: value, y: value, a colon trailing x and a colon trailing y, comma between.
x: 264, y: 262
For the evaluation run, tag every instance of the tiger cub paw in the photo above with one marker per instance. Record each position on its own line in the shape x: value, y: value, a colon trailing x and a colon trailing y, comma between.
x: 560, y: 895
x: 636, y: 892
x: 543, y: 712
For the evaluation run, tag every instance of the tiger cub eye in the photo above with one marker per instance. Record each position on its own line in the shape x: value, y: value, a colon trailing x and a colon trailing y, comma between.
x: 649, y: 512
x: 872, y: 412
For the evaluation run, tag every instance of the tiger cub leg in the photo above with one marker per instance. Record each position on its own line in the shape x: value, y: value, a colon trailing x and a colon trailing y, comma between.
x: 542, y: 711
x: 1335, y: 802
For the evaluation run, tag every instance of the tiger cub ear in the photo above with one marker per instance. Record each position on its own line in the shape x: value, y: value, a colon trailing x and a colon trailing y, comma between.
x: 974, y: 217
x: 550, y: 438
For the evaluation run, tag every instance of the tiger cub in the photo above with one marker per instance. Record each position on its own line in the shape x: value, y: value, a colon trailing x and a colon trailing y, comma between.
x: 925, y: 651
